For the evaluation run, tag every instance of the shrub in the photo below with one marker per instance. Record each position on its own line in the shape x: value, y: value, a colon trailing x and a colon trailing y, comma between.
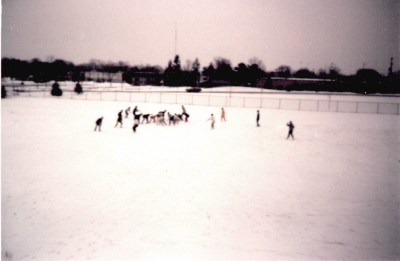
x: 3, y: 92
x: 55, y: 90
x: 78, y: 88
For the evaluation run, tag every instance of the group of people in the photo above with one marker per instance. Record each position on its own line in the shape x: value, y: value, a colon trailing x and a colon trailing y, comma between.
x: 159, y: 118
x: 223, y: 119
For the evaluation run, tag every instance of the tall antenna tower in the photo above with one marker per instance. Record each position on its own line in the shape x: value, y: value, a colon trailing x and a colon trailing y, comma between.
x: 176, y: 40
x: 390, y: 70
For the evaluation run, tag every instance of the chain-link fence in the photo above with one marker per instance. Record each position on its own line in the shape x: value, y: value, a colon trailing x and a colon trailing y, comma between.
x: 259, y: 99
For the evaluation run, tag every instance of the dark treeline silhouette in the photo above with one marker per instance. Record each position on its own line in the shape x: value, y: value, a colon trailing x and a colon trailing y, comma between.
x: 220, y: 72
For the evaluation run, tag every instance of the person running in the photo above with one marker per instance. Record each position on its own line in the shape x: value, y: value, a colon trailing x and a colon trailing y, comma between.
x: 99, y: 121
x: 212, y: 119
x: 258, y: 118
x: 291, y: 127
x: 119, y: 119
x: 223, y: 114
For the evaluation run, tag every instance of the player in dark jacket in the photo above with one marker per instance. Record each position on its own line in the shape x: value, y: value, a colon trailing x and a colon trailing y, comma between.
x: 136, y: 120
x: 135, y: 125
x: 291, y: 127
x: 119, y: 119
x: 99, y: 121
x: 184, y: 113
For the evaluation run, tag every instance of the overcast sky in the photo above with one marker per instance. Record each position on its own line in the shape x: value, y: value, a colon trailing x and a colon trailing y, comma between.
x: 351, y: 34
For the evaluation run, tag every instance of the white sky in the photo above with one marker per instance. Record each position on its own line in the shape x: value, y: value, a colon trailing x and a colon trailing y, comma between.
x: 310, y: 33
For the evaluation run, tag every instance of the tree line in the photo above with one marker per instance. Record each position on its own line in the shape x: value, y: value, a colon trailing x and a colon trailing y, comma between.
x: 220, y: 72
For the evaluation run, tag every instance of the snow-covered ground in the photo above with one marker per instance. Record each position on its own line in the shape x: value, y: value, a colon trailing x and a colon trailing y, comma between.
x: 188, y: 192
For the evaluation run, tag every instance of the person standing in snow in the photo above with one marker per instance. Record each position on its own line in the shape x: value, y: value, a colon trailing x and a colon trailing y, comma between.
x: 137, y: 116
x: 135, y: 110
x: 212, y: 119
x: 291, y: 127
x: 119, y: 119
x: 258, y: 118
x: 127, y: 112
x: 223, y: 114
x: 99, y: 121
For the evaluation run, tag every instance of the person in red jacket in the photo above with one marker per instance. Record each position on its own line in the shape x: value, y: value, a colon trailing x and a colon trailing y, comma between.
x: 223, y: 114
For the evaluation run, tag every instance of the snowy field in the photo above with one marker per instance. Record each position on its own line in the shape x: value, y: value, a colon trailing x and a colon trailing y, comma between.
x: 188, y: 192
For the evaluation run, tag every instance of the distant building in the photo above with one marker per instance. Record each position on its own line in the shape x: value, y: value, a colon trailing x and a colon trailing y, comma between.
x: 285, y: 83
x: 207, y: 82
x: 103, y: 76
x: 145, y: 78
x: 204, y: 79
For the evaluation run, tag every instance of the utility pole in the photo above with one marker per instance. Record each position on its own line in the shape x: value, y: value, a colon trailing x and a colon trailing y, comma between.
x: 390, y: 70
x: 176, y: 40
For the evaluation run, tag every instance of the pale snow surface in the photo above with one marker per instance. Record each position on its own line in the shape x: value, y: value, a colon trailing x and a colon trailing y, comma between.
x: 188, y: 192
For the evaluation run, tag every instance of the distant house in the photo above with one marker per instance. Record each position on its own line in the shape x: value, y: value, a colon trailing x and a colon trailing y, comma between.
x: 206, y: 82
x: 145, y: 78
x: 103, y: 76
x: 285, y: 83
x: 204, y: 79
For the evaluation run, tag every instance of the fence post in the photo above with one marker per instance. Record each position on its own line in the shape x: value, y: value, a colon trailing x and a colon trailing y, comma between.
x: 329, y: 102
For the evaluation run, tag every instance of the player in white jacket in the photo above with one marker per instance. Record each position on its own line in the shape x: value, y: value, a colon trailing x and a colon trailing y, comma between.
x: 212, y: 119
